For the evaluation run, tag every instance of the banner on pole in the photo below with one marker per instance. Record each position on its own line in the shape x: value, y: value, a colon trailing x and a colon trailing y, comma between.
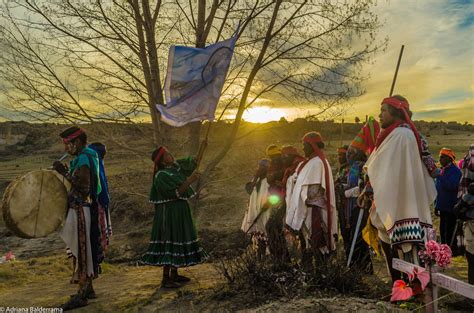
x: 194, y: 82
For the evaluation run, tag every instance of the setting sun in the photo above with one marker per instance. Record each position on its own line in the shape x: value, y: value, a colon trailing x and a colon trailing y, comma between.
x: 263, y: 114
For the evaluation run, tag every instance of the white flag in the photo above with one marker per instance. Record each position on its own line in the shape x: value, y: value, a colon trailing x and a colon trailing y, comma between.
x: 194, y: 82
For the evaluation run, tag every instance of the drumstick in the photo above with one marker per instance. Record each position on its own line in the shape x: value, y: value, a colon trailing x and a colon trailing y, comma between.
x: 65, y: 155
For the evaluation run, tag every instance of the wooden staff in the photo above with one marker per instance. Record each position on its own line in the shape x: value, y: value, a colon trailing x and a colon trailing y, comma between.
x: 396, y: 71
x: 342, y: 131
x: 203, y: 147
x: 361, y: 211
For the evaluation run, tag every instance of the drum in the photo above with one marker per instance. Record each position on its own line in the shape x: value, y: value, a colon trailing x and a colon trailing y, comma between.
x: 35, y: 205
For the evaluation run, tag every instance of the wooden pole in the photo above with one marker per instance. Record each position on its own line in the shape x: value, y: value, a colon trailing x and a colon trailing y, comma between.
x: 342, y: 131
x: 396, y: 70
x: 203, y: 147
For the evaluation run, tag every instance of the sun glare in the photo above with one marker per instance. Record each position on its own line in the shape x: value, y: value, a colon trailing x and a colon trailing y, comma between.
x: 262, y: 114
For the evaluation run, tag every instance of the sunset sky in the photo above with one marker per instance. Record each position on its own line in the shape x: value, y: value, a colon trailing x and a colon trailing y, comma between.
x: 437, y: 69
x: 436, y: 73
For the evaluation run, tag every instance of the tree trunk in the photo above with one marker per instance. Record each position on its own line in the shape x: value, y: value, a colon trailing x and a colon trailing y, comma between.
x: 194, y: 128
x: 243, y: 99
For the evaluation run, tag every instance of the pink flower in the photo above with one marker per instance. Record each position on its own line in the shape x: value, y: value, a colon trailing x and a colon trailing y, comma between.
x: 423, y: 255
x: 9, y: 256
x: 420, y: 274
x: 401, y: 291
x: 431, y: 249
x: 443, y: 257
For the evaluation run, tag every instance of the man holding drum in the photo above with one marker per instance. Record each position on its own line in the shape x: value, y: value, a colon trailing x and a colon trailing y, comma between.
x: 81, y: 232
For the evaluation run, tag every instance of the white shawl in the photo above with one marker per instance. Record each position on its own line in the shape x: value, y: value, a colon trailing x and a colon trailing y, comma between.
x: 256, y: 202
x: 297, y: 211
x: 403, y: 188
x: 290, y: 185
x: 70, y: 236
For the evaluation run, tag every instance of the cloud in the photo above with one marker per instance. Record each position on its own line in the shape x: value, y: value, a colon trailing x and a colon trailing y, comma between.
x: 437, y: 70
x: 436, y: 73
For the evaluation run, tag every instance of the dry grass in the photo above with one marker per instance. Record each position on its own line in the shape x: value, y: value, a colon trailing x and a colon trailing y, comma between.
x: 218, y: 217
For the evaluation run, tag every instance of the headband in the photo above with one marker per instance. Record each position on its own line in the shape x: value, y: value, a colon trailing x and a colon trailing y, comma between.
x: 73, y: 136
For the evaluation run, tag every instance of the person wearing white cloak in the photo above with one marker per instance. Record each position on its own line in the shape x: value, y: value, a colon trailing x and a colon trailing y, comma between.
x: 400, y: 172
x: 311, y: 207
x: 258, y: 212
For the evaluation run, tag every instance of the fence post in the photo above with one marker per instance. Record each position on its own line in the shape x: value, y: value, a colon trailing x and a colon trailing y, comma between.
x: 431, y: 292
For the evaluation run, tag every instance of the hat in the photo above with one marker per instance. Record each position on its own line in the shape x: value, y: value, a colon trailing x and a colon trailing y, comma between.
x: 343, y: 149
x: 289, y: 150
x: 366, y: 137
x: 273, y: 150
x: 448, y: 152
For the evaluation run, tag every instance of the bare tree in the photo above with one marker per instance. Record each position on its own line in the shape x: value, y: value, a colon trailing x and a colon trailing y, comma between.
x: 84, y: 61
x: 301, y: 53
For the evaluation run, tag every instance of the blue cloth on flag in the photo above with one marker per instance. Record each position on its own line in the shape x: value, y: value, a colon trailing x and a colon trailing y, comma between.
x: 194, y: 82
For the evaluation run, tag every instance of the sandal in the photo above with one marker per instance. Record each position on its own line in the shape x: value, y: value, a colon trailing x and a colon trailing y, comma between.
x: 181, y: 279
x: 169, y: 284
x: 75, y: 302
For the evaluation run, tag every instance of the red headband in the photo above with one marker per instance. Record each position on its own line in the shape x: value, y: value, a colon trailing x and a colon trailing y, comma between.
x: 160, y: 154
x: 398, y: 104
x: 404, y: 107
x: 73, y: 136
x: 312, y: 140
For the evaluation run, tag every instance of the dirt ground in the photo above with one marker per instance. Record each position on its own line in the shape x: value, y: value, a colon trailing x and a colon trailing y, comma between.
x: 40, y: 275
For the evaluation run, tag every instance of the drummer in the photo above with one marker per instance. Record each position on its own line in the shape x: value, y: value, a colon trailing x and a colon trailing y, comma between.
x: 80, y: 232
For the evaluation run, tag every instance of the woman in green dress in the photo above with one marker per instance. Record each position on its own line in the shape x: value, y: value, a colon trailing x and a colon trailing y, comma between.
x: 174, y: 241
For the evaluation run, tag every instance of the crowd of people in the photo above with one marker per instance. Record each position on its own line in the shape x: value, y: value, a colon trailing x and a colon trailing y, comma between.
x: 88, y: 229
x: 384, y: 189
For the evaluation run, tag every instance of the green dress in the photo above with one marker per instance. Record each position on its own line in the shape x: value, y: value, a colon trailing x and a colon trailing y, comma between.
x: 173, y: 237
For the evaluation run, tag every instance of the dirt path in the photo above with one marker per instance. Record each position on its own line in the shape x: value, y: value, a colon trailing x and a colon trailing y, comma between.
x: 44, y: 282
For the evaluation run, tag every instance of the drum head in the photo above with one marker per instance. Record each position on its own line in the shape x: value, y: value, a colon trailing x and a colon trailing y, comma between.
x: 35, y: 204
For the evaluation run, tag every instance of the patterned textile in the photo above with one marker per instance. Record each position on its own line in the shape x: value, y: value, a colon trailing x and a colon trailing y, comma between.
x: 467, y: 171
x: 408, y: 230
x: 367, y: 136
x: 426, y: 156
x: 82, y: 257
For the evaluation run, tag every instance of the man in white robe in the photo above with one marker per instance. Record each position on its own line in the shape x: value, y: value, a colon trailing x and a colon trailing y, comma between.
x: 258, y: 212
x: 402, y: 185
x: 311, y: 207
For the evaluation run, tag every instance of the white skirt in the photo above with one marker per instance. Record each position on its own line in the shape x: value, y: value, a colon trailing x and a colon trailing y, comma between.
x: 70, y: 236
